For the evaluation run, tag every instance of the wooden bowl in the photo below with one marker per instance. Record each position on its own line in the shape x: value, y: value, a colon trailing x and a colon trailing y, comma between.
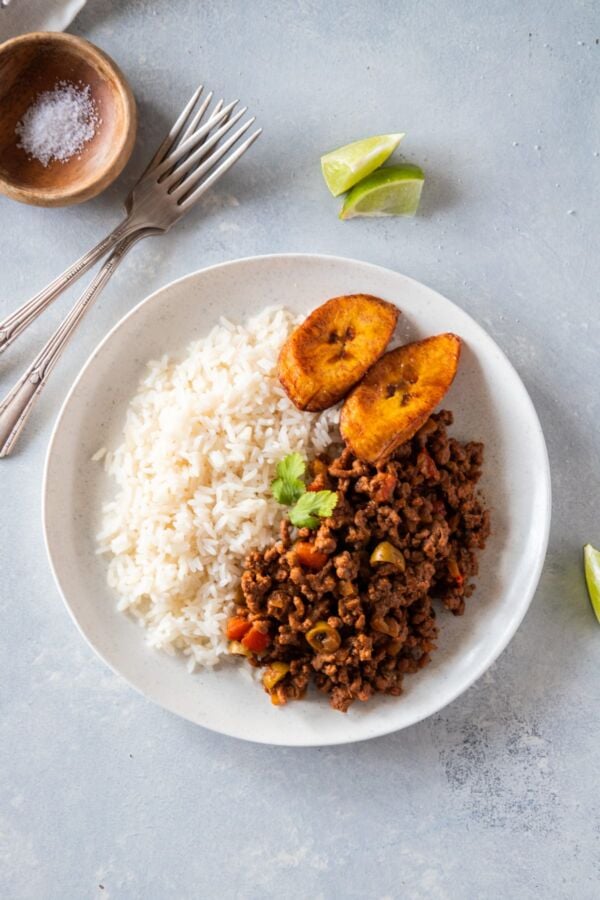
x: 35, y: 62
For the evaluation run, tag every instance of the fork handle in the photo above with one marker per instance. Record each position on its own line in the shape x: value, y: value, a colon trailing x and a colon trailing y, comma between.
x: 17, y: 405
x: 14, y: 324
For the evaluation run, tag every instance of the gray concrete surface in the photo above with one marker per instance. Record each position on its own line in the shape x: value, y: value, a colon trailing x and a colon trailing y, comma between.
x: 105, y: 795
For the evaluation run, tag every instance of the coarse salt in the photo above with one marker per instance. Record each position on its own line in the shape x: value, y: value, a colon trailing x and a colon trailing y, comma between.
x: 58, y: 123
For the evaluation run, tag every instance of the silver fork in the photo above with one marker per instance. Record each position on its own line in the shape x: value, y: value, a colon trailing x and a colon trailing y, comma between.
x: 145, y: 206
x: 182, y: 169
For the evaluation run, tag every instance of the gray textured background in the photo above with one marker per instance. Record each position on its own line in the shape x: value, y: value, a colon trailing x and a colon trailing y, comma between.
x: 104, y: 795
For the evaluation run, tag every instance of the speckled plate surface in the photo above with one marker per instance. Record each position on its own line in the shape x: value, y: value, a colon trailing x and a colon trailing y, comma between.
x: 490, y: 404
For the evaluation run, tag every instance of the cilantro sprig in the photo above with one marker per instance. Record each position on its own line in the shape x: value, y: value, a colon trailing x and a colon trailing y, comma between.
x: 289, y: 486
x: 289, y: 489
x: 311, y: 506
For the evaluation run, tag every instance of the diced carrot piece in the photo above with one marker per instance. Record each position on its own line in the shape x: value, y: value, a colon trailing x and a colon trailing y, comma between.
x: 237, y: 627
x: 255, y: 640
x: 309, y: 557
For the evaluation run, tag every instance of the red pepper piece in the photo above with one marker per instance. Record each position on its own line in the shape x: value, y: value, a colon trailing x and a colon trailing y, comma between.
x: 256, y: 641
x: 237, y: 627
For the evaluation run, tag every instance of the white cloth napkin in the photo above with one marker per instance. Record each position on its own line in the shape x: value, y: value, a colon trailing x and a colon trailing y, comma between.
x: 20, y: 16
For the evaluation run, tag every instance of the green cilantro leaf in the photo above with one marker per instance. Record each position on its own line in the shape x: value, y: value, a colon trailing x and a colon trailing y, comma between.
x: 312, y: 505
x: 287, y: 492
x: 288, y: 486
x: 292, y: 466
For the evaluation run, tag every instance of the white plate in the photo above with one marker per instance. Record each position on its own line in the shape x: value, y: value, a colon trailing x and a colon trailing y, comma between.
x: 490, y: 404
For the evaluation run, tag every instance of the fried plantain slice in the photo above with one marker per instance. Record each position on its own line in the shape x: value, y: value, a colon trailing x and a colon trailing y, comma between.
x: 398, y: 395
x: 333, y: 348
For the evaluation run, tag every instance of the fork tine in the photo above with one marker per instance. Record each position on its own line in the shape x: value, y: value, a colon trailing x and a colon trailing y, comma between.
x: 188, y: 131
x: 176, y: 175
x: 195, y: 121
x: 176, y: 128
x: 227, y: 164
x: 198, y: 155
x: 192, y: 141
x: 198, y: 116
x: 196, y: 174
x: 216, y: 109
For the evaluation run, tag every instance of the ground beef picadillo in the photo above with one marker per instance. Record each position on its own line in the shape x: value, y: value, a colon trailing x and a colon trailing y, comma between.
x: 422, y: 501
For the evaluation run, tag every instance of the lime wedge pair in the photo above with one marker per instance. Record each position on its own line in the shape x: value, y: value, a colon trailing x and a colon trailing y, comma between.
x: 392, y: 191
x: 591, y: 562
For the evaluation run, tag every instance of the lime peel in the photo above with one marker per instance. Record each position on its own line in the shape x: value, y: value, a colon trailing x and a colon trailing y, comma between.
x: 591, y: 563
x: 390, y: 191
x: 346, y: 166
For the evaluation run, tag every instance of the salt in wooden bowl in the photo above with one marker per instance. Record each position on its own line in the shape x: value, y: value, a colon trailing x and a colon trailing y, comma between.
x: 38, y: 62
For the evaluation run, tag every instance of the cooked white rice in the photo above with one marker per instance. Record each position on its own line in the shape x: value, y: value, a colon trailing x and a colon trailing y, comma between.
x: 201, y: 440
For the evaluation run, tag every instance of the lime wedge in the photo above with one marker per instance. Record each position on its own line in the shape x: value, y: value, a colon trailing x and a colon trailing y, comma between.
x: 344, y: 167
x: 591, y: 562
x: 391, y: 191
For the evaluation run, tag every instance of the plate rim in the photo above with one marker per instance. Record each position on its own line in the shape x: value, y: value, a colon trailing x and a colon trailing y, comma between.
x: 534, y: 574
